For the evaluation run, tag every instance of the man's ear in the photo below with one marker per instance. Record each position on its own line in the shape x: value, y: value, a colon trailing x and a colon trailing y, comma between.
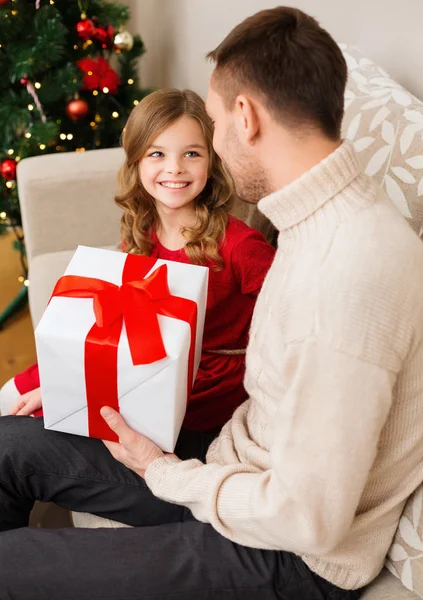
x: 247, y: 119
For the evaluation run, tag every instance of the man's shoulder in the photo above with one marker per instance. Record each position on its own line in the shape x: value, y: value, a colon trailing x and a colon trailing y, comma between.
x: 370, y: 286
x: 379, y: 240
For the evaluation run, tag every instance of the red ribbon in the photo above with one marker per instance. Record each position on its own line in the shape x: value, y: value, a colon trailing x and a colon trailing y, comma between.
x: 137, y: 303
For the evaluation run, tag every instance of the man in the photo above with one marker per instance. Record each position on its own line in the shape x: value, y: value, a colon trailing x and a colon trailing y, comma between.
x: 304, y: 487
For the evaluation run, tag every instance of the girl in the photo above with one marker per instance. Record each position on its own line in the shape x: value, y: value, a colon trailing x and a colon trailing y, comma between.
x: 175, y: 195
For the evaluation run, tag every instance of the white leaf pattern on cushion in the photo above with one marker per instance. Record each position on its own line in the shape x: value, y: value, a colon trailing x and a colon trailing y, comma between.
x: 379, y: 117
x: 351, y: 61
x: 380, y: 100
x: 407, y: 138
x: 409, y: 534
x: 397, y: 196
x: 414, y: 116
x: 417, y: 506
x: 363, y: 143
x: 391, y: 567
x: 403, y: 174
x: 358, y: 77
x: 374, y: 103
x: 407, y: 575
x: 397, y: 553
x: 378, y: 160
x: 353, y: 128
x: 415, y: 161
x: 401, y: 97
x: 388, y: 132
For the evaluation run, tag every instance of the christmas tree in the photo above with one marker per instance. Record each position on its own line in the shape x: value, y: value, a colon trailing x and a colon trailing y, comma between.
x: 68, y: 82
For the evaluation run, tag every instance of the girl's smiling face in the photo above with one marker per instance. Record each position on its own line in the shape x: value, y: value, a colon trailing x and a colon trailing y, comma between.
x: 174, y: 169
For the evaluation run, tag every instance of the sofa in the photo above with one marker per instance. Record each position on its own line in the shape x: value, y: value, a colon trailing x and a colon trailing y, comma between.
x: 67, y: 199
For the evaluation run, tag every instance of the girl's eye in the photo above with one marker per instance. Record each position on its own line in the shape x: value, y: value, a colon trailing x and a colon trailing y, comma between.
x: 156, y: 154
x: 192, y: 154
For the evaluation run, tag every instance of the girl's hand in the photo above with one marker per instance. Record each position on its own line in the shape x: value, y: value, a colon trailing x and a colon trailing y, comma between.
x: 27, y: 403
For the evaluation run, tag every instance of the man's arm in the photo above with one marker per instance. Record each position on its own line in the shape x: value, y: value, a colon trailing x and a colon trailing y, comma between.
x: 324, y: 433
x: 324, y: 436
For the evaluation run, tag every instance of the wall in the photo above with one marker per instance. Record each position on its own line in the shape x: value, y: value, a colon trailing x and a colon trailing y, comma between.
x: 178, y: 33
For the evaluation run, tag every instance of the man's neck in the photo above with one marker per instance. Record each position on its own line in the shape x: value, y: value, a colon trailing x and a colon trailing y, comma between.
x: 296, y: 156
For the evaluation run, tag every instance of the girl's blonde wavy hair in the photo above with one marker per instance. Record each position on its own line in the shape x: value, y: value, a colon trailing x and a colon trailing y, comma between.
x: 155, y: 113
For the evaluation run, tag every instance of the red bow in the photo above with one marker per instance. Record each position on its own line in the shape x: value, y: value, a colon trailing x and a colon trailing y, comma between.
x: 137, y: 303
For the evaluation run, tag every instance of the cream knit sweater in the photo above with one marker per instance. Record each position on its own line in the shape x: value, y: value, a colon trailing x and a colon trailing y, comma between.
x: 321, y: 458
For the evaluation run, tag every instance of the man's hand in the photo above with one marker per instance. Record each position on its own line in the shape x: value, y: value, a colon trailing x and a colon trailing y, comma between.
x: 27, y: 404
x: 134, y: 450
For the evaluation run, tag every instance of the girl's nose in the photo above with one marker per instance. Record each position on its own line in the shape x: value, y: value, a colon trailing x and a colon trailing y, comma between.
x: 174, y: 167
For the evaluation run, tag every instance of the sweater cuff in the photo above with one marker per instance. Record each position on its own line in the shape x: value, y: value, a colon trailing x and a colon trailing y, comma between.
x: 156, y: 471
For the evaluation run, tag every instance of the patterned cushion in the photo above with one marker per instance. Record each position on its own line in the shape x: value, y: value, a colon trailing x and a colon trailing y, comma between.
x: 385, y: 122
x: 405, y: 559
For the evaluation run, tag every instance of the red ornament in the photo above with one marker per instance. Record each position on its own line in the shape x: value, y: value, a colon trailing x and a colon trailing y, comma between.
x: 8, y: 169
x: 85, y: 29
x: 77, y: 109
x: 100, y: 34
x: 24, y: 79
x: 3, y: 2
x: 102, y: 75
x: 105, y: 35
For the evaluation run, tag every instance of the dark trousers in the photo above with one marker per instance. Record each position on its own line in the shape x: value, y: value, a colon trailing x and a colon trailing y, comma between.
x: 167, y: 555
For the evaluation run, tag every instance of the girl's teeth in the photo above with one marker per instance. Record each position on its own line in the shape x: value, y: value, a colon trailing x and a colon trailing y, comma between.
x: 174, y: 185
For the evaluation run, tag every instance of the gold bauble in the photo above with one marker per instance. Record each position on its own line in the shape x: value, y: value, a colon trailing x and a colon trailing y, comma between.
x: 124, y: 40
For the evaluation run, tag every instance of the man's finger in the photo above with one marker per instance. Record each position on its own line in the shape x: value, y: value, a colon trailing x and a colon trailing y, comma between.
x: 116, y: 450
x: 116, y: 422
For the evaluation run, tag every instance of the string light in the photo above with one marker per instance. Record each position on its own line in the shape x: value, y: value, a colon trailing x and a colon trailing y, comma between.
x: 97, y: 118
x: 90, y: 73
x: 80, y: 150
x: 21, y: 279
x: 75, y: 47
x: 136, y: 102
x: 27, y: 135
x: 10, y: 151
x: 92, y: 124
x: 3, y: 215
x: 14, y: 13
x: 26, y: 283
x: 63, y: 136
x: 130, y: 81
x: 106, y: 90
x: 30, y: 107
x: 69, y: 136
x: 115, y: 114
x: 10, y: 184
x: 17, y: 158
x: 42, y: 146
x: 95, y: 93
x: 51, y: 1
x: 37, y: 84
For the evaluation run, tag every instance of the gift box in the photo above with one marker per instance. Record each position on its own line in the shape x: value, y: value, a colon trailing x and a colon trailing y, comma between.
x: 124, y: 331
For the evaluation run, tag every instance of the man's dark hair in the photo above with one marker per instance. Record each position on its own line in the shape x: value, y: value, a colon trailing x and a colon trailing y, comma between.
x: 296, y: 67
